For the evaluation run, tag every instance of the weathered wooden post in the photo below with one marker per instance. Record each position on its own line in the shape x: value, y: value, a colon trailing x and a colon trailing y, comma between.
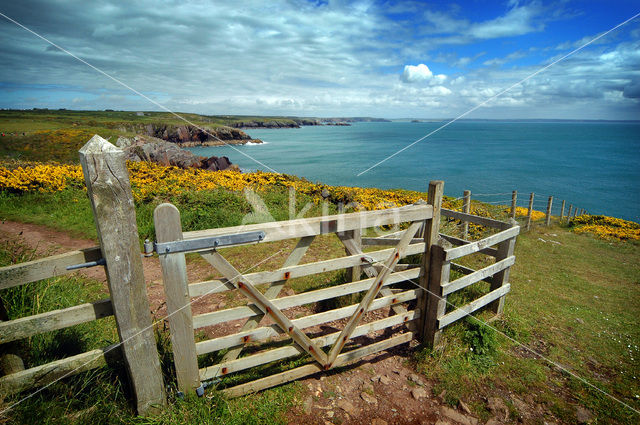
x: 514, y: 200
x: 569, y: 213
x: 166, y: 218
x: 432, y: 302
x: 505, y: 250
x: 529, y: 211
x: 109, y: 190
x: 549, y: 205
x: 562, y: 211
x: 466, y: 207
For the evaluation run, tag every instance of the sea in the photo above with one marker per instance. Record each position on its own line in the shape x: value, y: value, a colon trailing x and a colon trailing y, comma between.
x: 593, y: 165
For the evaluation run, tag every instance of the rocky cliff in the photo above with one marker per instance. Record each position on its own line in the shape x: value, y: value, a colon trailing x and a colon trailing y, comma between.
x: 188, y: 135
x: 147, y: 148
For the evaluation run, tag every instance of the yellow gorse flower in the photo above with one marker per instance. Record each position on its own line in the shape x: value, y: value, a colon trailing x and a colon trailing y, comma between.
x: 150, y: 180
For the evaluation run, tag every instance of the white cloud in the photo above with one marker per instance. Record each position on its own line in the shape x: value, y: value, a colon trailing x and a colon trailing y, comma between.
x: 421, y: 73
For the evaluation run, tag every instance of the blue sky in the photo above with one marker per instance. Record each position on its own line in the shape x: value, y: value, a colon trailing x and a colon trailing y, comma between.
x: 326, y: 58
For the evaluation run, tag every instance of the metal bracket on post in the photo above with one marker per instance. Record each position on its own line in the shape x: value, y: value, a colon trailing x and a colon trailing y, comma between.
x: 200, y: 244
x: 100, y: 262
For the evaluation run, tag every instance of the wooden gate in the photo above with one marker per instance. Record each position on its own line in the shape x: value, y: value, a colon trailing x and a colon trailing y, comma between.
x: 381, y: 289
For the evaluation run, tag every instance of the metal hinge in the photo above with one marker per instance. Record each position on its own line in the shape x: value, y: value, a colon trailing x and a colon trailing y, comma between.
x: 200, y: 244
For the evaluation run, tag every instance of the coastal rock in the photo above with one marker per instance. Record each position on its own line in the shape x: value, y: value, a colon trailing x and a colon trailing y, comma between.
x: 189, y: 135
x: 144, y: 148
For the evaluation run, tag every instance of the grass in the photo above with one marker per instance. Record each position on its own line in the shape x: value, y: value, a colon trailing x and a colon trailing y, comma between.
x: 577, y: 304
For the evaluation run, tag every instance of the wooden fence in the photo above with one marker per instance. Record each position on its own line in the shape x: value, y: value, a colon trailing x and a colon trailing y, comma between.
x: 109, y: 190
x: 450, y: 248
x: 548, y: 208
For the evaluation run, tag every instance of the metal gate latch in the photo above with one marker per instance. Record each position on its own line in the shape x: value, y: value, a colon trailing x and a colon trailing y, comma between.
x: 200, y: 244
x: 100, y: 262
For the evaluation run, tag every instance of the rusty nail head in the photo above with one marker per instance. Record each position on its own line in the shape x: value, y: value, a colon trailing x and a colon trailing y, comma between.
x: 286, y: 275
x: 246, y: 338
x: 224, y: 370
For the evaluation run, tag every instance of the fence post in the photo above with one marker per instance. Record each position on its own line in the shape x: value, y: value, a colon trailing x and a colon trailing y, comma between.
x: 514, y: 200
x: 431, y: 265
x: 569, y: 213
x: 354, y: 273
x: 166, y: 219
x: 549, y: 205
x: 529, y: 211
x: 505, y: 250
x: 562, y: 211
x: 109, y: 191
x: 466, y: 207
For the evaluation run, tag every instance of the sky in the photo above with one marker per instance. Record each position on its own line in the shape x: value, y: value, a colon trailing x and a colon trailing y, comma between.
x: 392, y: 59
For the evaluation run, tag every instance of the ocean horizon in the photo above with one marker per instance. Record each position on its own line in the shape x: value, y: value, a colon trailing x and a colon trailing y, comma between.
x: 590, y: 164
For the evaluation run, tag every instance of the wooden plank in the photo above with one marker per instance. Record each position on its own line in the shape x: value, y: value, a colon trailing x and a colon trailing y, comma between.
x: 47, y: 373
x: 314, y: 226
x: 505, y: 250
x: 372, y: 293
x: 465, y: 270
x: 44, y: 268
x: 216, y: 286
x: 235, y: 313
x: 477, y: 276
x: 463, y: 250
x: 268, y: 356
x: 166, y: 218
x: 461, y: 312
x: 459, y: 242
x: 267, y: 307
x: 483, y: 221
x: 109, y: 191
x: 436, y: 302
x: 386, y: 241
x: 310, y: 369
x: 271, y: 293
x: 25, y: 327
x: 265, y: 332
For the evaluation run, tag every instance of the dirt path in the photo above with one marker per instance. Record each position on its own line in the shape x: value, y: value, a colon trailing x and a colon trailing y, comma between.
x: 381, y: 389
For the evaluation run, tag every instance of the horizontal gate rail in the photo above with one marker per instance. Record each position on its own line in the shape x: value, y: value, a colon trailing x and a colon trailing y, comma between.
x: 469, y: 308
x: 285, y: 273
x: 483, y: 221
x: 291, y: 229
x: 44, y: 268
x: 292, y: 350
x: 216, y: 317
x: 478, y: 275
x: 26, y: 327
x: 261, y: 334
x: 470, y: 248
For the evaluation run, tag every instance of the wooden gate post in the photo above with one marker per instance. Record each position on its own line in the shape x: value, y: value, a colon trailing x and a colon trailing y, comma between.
x: 547, y: 221
x: 514, y: 200
x: 466, y: 207
x: 431, y: 265
x: 529, y: 211
x: 505, y: 250
x: 166, y: 218
x: 109, y: 190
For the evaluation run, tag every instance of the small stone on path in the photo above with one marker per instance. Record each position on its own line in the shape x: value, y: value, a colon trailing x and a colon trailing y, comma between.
x: 368, y: 398
x: 456, y: 416
x: 418, y: 393
x: 378, y: 421
x: 384, y: 379
x: 347, y: 407
x: 464, y: 407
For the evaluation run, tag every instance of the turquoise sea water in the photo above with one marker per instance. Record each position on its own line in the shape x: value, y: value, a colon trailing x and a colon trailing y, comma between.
x: 594, y: 165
